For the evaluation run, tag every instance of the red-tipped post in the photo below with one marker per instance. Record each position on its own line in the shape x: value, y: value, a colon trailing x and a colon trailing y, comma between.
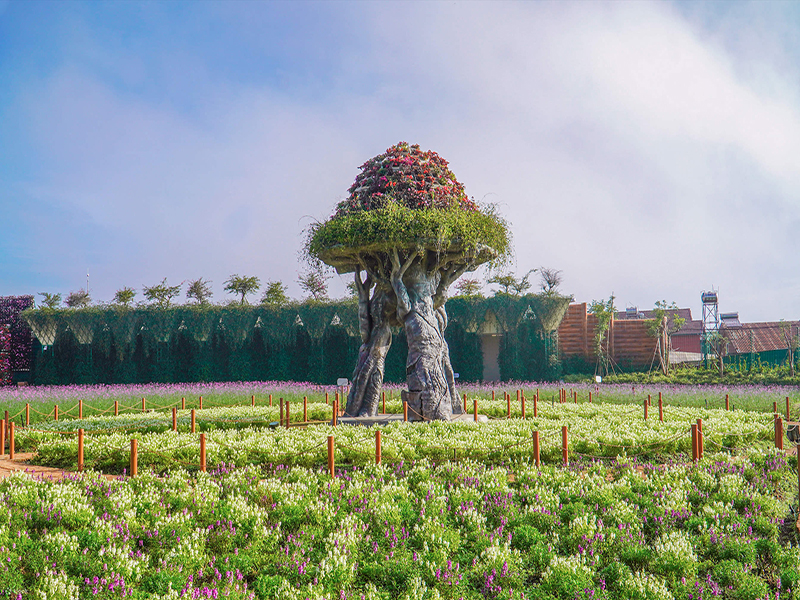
x: 331, y: 466
x: 536, y: 448
x: 564, y: 445
x: 378, y: 447
x: 80, y: 450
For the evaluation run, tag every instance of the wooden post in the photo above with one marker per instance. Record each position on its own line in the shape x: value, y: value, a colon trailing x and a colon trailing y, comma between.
x: 330, y: 457
x: 405, y: 411
x: 80, y: 450
x: 116, y: 408
x: 80, y: 409
x: 134, y: 458
x: 465, y: 402
x: 775, y: 407
x: 55, y: 413
x: 779, y: 433
x: 590, y: 397
x: 788, y: 410
x: 700, y: 439
x: 383, y: 399
x: 144, y: 404
x: 253, y: 400
x: 378, y: 447
x: 174, y: 419
x: 27, y: 415
x: 536, y: 448
x: 492, y: 395
x: 536, y: 405
x: 183, y: 403
x: 200, y: 403
x: 281, y: 419
x: 270, y: 398
x: 288, y: 418
x: 11, y: 440
x: 335, y: 413
x: 203, y: 452
x: 660, y: 409
x: 305, y: 409
x: 475, y: 410
x: 508, y: 407
x: 575, y: 394
x: 694, y: 442
x: 648, y: 399
x: 659, y: 398
x: 523, y: 406
x: 519, y: 395
x: 646, y: 405
x: 564, y: 445
x: 194, y: 421
x: 2, y: 438
x: 727, y: 402
x: 326, y: 399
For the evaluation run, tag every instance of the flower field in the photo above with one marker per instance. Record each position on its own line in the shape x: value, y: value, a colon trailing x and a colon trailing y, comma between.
x: 455, y: 510
x: 411, y: 530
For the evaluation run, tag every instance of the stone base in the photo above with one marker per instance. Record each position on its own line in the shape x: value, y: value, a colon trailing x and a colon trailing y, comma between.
x: 386, y: 419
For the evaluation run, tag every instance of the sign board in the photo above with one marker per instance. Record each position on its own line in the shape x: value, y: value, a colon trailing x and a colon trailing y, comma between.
x: 598, y: 379
x: 456, y: 375
x: 342, y: 381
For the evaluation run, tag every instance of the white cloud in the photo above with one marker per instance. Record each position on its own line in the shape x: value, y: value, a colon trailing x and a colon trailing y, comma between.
x: 627, y: 145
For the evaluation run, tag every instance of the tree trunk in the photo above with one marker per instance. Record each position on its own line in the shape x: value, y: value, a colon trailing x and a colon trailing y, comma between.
x: 429, y: 376
x: 376, y: 338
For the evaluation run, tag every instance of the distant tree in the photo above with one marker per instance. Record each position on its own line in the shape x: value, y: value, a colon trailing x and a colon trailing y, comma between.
x: 790, y: 338
x: 718, y: 344
x: 550, y: 280
x: 664, y: 323
x: 162, y: 294
x: 352, y: 289
x: 50, y: 300
x: 78, y: 299
x: 124, y: 296
x: 468, y: 287
x: 237, y: 284
x: 511, y: 285
x: 200, y: 291
x: 315, y: 282
x: 275, y: 294
x: 604, y: 311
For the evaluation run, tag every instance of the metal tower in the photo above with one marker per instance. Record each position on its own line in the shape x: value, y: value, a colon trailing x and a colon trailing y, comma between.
x: 710, y: 320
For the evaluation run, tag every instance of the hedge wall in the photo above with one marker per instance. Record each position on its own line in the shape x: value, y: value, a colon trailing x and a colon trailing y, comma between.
x: 5, y: 355
x: 316, y: 342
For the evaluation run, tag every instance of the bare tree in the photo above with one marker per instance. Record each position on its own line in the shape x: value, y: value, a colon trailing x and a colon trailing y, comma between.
x: 550, y: 280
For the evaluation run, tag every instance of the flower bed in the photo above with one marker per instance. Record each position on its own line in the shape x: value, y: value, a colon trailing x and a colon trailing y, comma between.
x: 412, y: 530
x: 233, y: 437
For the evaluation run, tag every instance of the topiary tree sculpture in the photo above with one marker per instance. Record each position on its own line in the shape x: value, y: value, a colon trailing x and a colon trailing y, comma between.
x: 407, y: 231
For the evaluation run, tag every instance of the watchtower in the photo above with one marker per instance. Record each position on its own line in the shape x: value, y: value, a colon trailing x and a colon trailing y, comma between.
x: 710, y: 320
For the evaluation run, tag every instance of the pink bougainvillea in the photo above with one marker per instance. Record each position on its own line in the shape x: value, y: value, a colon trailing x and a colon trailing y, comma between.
x: 5, y: 355
x: 408, y: 176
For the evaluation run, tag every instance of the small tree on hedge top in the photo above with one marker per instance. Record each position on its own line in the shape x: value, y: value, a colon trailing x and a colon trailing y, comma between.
x: 124, y: 296
x: 237, y: 284
x: 408, y: 225
x: 162, y: 294
x: 50, y: 300
x: 200, y: 291
x: 275, y: 294
x: 79, y: 299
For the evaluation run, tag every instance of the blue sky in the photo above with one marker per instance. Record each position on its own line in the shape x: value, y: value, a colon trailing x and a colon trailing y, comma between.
x: 645, y: 149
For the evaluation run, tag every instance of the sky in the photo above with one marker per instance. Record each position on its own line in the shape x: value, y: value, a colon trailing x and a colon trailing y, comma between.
x: 647, y: 150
